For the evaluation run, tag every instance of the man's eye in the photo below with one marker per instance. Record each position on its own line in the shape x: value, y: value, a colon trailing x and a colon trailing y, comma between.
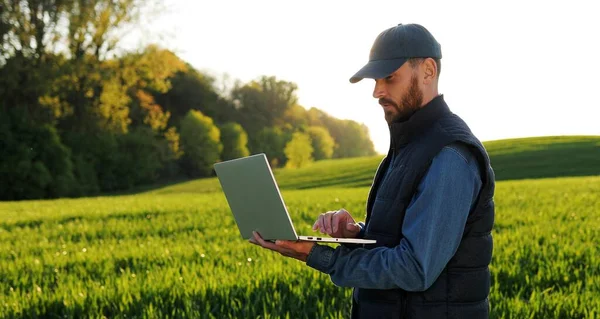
x: 388, y: 78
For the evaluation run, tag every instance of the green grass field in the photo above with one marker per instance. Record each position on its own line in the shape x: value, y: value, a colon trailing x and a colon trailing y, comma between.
x: 175, y: 252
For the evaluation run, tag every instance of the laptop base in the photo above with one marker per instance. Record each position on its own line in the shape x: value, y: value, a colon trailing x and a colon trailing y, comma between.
x: 337, y: 240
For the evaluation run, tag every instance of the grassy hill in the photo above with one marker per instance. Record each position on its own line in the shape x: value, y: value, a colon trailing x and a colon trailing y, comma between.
x: 542, y: 157
x: 170, y: 253
x: 350, y: 172
x: 524, y: 158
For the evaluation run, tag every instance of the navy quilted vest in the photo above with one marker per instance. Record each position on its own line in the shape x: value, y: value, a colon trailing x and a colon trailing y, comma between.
x: 461, y: 290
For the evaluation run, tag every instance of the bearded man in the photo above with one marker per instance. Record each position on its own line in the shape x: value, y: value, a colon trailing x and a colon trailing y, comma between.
x: 430, y: 207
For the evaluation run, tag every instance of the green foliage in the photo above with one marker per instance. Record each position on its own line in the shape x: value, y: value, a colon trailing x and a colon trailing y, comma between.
x: 296, y: 117
x: 298, y: 151
x: 235, y: 141
x: 271, y: 141
x: 28, y: 39
x: 78, y: 91
x: 139, y: 157
x: 263, y: 103
x: 33, y: 28
x: 146, y: 74
x: 168, y: 256
x: 191, y: 89
x: 352, y: 139
x: 68, y: 80
x: 86, y: 175
x: 322, y: 142
x: 109, y: 162
x: 35, y: 163
x: 200, y: 140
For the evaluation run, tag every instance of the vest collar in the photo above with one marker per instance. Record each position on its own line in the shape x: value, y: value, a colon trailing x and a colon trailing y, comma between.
x: 402, y: 132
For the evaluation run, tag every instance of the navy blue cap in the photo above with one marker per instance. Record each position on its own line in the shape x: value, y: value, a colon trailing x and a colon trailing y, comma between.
x: 395, y: 46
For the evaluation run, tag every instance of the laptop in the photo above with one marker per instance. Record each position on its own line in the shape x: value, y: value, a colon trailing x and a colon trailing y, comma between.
x: 256, y: 202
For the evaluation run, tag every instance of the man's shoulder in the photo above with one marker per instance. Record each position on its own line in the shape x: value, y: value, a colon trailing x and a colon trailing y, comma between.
x: 460, y: 149
x: 457, y: 154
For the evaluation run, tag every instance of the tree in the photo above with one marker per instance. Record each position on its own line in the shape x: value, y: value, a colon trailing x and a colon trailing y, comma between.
x: 322, y: 142
x: 192, y: 89
x: 298, y: 151
x: 71, y: 108
x: 351, y: 138
x: 296, y: 117
x: 33, y: 161
x: 112, y: 108
x: 28, y: 27
x: 40, y: 36
x: 263, y: 103
x: 235, y: 141
x: 140, y: 157
x: 146, y: 75
x: 316, y: 117
x: 200, y: 140
x: 271, y: 141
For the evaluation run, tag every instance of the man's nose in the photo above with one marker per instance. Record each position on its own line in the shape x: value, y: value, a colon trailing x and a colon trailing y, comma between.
x: 379, y: 91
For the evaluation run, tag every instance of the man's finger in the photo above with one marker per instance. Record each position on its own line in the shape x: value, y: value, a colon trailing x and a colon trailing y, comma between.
x: 335, y: 220
x: 330, y: 223
x: 322, y: 223
x: 264, y: 243
x: 317, y: 224
x: 353, y: 227
x: 280, y: 248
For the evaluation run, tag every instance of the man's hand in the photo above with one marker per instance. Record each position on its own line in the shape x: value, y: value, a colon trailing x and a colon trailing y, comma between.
x: 294, y: 249
x: 337, y: 224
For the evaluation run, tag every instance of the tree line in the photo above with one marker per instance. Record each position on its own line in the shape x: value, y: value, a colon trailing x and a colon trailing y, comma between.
x: 77, y: 119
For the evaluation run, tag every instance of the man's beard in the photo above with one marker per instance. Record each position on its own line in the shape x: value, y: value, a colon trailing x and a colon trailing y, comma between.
x: 409, y: 104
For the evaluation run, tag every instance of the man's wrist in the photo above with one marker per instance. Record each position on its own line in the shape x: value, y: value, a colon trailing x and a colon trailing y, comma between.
x: 319, y: 257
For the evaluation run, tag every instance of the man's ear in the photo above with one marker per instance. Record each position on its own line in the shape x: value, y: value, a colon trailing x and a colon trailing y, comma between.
x: 429, y: 69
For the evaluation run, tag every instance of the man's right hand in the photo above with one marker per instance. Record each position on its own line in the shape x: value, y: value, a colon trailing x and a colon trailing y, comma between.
x: 337, y: 224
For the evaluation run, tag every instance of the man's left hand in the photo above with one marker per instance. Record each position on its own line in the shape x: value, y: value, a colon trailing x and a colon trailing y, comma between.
x: 294, y: 249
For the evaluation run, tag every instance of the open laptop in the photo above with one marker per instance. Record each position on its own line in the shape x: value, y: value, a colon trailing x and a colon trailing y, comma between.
x: 256, y: 203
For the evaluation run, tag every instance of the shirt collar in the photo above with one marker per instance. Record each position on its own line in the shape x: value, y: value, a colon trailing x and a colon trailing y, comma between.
x: 402, y: 132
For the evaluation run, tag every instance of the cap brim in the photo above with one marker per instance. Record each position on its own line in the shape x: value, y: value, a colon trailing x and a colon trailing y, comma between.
x: 378, y: 69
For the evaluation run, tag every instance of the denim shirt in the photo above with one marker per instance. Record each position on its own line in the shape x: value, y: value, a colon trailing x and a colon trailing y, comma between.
x: 433, y: 227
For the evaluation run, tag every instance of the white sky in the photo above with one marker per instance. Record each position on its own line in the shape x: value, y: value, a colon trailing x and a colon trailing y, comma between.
x: 509, y: 68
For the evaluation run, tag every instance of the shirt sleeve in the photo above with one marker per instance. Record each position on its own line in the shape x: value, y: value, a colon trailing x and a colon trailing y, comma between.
x: 433, y: 227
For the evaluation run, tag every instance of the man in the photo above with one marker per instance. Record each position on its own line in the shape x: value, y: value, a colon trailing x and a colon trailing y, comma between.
x: 430, y: 207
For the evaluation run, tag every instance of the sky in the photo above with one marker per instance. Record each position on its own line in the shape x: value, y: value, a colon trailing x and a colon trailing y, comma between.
x: 509, y: 68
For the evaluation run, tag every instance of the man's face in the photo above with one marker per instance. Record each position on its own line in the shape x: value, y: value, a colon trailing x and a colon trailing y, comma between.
x: 399, y: 94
